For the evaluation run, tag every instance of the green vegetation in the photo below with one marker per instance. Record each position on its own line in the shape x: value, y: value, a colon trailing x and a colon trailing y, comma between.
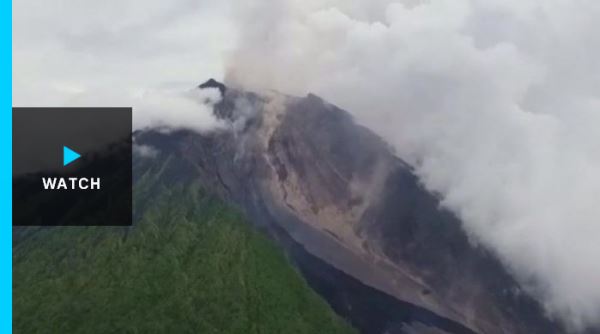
x: 189, y: 265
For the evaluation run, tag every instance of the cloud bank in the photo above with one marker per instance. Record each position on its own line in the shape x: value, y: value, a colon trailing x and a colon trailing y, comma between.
x: 495, y: 103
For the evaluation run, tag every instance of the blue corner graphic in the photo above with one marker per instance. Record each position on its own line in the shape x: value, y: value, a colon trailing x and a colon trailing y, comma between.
x: 69, y: 155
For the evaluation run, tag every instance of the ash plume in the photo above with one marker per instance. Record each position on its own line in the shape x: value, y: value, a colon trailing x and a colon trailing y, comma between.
x: 494, y: 103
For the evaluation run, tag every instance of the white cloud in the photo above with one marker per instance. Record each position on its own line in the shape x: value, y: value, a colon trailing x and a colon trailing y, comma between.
x: 496, y: 104
x: 144, y: 151
x: 192, y: 110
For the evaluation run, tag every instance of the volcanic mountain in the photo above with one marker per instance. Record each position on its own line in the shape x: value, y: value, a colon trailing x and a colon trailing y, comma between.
x: 350, y: 214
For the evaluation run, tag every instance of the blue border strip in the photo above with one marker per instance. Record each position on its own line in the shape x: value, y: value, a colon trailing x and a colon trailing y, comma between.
x: 6, y: 168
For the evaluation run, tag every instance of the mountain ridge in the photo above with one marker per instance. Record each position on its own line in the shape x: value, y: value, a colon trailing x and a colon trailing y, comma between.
x: 337, y: 189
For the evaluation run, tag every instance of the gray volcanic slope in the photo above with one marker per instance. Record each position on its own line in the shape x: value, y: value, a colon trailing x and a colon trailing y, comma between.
x: 352, y: 216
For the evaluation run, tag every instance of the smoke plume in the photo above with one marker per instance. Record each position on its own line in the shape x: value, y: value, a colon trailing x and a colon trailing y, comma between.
x: 495, y: 104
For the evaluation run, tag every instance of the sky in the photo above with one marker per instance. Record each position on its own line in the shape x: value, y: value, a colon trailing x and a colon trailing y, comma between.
x: 140, y: 53
x: 495, y: 103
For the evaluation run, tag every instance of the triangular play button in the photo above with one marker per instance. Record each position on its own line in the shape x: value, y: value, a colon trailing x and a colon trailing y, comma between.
x: 69, y: 155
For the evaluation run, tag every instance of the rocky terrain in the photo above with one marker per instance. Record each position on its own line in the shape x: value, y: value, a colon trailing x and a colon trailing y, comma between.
x: 336, y: 197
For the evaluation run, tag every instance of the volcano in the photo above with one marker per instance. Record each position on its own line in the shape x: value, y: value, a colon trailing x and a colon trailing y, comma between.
x: 350, y: 214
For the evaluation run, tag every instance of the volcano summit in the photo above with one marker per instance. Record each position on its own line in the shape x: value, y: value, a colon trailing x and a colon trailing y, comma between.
x: 332, y: 192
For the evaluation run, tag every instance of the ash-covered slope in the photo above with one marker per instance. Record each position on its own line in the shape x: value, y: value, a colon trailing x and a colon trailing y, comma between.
x: 303, y: 171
